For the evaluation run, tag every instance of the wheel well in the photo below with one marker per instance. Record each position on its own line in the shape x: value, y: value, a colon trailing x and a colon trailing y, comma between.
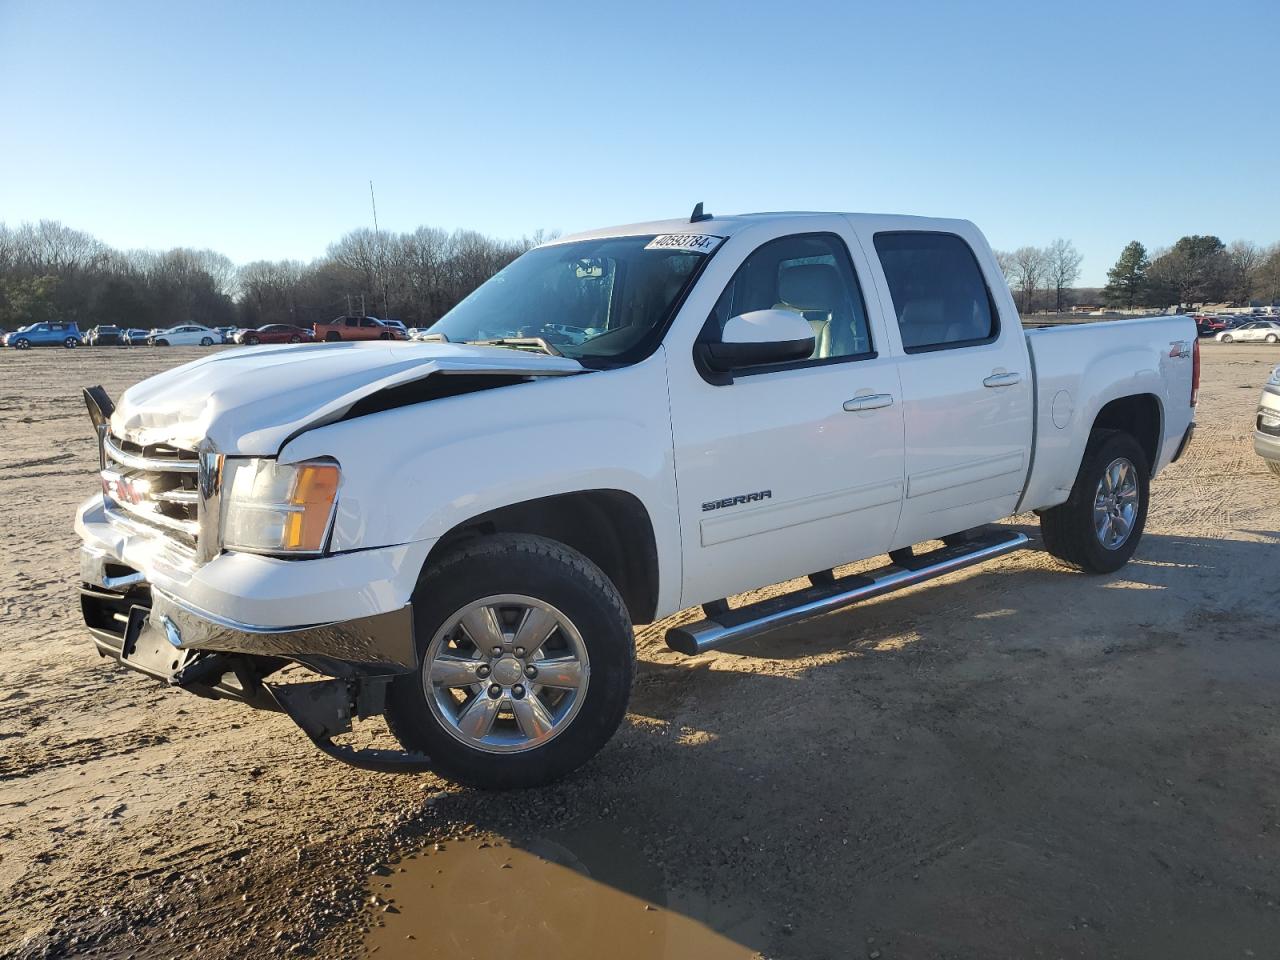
x: 1138, y: 416
x: 609, y: 527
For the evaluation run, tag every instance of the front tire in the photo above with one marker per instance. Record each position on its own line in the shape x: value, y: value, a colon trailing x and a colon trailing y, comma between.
x: 1097, y: 530
x: 252, y: 341
x: 23, y: 344
x: 1227, y: 338
x: 332, y: 337
x: 206, y: 342
x: 162, y: 343
x: 527, y: 658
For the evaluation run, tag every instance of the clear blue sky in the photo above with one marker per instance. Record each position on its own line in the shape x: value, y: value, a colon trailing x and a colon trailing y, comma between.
x: 254, y: 128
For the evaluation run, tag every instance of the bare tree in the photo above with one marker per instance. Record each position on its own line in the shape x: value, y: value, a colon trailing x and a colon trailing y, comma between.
x: 1062, y: 266
x: 1245, y: 258
x: 1029, y: 266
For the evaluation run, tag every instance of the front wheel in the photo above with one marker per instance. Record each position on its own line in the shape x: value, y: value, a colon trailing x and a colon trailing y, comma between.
x: 23, y: 344
x: 206, y: 342
x: 527, y: 658
x: 295, y: 339
x: 1098, y: 528
x: 1227, y: 338
x: 252, y: 341
x: 332, y: 336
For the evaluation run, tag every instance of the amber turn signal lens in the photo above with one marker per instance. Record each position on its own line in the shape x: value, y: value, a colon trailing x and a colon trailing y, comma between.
x: 314, y: 490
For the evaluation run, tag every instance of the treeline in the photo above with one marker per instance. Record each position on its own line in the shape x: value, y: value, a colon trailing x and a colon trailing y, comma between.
x: 49, y: 271
x: 1195, y: 270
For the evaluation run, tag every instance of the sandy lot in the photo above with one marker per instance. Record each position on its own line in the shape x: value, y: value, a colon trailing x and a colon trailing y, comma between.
x: 1019, y: 761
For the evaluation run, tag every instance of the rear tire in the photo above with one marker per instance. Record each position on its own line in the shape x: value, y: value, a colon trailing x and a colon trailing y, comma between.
x: 1272, y: 338
x: 332, y: 336
x: 206, y: 342
x: 252, y: 341
x: 71, y: 343
x: 295, y: 339
x: 1227, y: 338
x: 1070, y: 531
x: 504, y: 568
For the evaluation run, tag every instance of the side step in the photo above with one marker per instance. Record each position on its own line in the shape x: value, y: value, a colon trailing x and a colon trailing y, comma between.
x: 724, y: 626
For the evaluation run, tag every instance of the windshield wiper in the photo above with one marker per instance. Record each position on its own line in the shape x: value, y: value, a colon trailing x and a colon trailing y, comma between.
x: 519, y: 343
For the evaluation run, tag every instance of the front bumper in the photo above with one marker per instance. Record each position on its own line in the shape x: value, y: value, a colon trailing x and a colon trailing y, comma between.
x: 129, y: 597
x: 345, y: 615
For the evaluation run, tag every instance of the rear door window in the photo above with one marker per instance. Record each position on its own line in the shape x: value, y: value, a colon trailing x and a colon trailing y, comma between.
x: 940, y: 298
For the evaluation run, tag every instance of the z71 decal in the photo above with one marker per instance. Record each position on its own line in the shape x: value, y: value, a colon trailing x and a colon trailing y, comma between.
x: 738, y: 500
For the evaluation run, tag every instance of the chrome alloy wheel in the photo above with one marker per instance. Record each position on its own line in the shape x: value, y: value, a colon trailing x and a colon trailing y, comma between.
x: 506, y: 673
x: 1115, y: 505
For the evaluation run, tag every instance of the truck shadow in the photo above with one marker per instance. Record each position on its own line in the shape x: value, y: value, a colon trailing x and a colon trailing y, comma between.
x: 970, y: 767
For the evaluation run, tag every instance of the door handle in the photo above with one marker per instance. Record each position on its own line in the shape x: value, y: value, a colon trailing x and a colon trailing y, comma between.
x: 870, y: 401
x: 1002, y: 380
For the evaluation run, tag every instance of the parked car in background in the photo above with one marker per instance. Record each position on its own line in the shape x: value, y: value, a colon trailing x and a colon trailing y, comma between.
x: 359, y: 328
x: 1266, y: 427
x: 1267, y: 331
x: 275, y: 333
x: 228, y: 333
x: 398, y: 324
x: 1207, y: 326
x: 104, y: 336
x: 189, y: 335
x: 135, y: 336
x: 49, y: 334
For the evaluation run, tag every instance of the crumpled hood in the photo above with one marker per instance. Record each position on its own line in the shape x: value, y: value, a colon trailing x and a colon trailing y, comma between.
x: 249, y: 401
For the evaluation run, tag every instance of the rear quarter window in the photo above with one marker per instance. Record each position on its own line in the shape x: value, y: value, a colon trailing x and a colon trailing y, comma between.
x: 940, y: 298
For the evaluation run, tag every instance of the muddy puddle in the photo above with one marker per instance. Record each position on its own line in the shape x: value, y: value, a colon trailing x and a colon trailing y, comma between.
x: 574, y: 895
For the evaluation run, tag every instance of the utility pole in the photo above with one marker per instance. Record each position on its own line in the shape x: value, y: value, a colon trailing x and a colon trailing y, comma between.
x: 382, y: 263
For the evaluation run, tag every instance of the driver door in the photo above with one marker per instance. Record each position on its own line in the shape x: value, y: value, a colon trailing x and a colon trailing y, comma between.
x: 797, y: 467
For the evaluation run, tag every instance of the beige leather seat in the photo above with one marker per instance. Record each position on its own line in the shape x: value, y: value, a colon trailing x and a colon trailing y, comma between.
x: 814, y: 290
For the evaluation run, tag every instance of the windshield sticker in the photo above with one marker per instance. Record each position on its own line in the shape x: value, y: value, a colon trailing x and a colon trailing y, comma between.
x: 693, y: 242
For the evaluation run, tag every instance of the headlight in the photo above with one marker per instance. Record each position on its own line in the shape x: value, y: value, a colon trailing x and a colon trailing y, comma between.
x: 268, y: 507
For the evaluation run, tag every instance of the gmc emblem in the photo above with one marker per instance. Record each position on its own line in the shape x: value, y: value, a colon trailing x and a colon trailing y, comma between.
x: 122, y: 489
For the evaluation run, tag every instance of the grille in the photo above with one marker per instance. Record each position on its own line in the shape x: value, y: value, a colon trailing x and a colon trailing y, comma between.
x: 157, y: 484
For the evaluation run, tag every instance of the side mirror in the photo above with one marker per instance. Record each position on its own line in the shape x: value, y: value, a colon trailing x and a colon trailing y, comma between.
x: 758, y: 338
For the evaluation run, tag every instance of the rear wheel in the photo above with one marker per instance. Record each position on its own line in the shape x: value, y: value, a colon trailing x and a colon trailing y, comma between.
x: 333, y: 336
x: 1227, y: 338
x: 206, y: 342
x: 295, y: 339
x: 71, y: 343
x: 1098, y: 528
x: 527, y: 658
x: 1272, y: 338
x: 162, y: 343
x: 252, y: 341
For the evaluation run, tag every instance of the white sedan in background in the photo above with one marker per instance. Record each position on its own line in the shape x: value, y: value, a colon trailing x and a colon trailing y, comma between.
x: 190, y: 335
x: 1267, y: 331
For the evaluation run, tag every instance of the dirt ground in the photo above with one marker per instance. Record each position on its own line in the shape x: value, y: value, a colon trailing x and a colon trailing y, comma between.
x: 1019, y: 761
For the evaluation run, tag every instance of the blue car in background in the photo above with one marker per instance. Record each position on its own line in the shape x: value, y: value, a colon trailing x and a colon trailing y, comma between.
x: 49, y: 334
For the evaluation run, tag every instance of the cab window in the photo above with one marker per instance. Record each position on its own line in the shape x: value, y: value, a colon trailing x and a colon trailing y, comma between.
x: 812, y: 275
x: 939, y: 295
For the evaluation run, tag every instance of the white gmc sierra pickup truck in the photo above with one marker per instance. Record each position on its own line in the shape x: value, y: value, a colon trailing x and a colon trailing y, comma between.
x: 460, y: 534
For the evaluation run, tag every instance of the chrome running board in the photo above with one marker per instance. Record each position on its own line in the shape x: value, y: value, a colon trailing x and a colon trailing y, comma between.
x: 724, y: 626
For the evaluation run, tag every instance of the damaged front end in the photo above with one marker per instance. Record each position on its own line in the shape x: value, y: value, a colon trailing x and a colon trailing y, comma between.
x: 156, y: 521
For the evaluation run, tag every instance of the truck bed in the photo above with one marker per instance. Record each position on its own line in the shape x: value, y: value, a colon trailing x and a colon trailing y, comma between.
x: 1080, y: 367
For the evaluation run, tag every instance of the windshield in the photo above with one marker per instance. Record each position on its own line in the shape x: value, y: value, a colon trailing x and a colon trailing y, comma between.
x: 607, y: 299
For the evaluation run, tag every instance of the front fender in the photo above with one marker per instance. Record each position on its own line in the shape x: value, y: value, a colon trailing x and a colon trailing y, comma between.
x: 416, y: 472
